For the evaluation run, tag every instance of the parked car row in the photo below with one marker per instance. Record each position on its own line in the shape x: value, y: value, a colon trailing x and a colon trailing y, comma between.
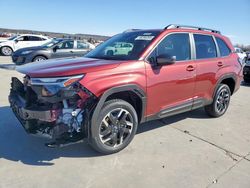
x: 56, y: 48
x: 29, y: 48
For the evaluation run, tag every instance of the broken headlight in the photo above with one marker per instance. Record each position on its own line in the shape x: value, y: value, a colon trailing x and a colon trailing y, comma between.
x: 51, y: 86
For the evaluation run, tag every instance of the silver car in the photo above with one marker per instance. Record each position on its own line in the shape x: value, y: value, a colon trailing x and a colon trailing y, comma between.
x: 56, y: 48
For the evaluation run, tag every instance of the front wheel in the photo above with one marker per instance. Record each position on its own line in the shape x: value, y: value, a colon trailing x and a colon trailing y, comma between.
x: 115, y: 127
x: 220, y: 102
x: 39, y: 58
x: 6, y: 51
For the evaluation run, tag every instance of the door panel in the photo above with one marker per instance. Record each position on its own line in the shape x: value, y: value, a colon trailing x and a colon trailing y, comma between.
x: 64, y: 49
x: 169, y: 86
x: 172, y: 85
x: 208, y: 64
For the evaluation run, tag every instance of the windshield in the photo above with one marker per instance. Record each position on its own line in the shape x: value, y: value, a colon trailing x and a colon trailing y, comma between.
x: 12, y: 38
x: 124, y: 46
x: 51, y: 43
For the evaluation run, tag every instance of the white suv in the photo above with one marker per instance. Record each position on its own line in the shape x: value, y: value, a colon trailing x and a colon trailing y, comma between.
x: 242, y: 55
x: 21, y: 41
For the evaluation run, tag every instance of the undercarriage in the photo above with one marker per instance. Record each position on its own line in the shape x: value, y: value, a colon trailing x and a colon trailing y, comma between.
x: 62, y: 115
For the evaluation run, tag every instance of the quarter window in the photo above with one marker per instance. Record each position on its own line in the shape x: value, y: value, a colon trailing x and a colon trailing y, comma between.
x: 175, y: 45
x: 205, y: 46
x: 224, y: 50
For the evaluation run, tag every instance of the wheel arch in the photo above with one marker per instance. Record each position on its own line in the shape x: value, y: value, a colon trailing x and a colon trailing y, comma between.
x: 39, y: 55
x: 228, y: 79
x: 131, y: 90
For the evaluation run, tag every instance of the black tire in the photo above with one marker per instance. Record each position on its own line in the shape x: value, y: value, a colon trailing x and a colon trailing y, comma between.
x: 6, y: 51
x: 39, y: 58
x: 111, y: 134
x: 220, y: 103
x: 110, y: 53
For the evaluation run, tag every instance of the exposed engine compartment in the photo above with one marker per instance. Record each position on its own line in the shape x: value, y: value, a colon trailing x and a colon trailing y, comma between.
x: 60, y: 116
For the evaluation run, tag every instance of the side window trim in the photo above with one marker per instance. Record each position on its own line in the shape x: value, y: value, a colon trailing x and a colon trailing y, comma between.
x: 217, y: 47
x: 192, y: 46
x: 192, y: 53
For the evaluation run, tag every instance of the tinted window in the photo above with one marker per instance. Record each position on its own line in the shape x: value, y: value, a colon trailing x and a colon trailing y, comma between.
x: 33, y: 38
x: 24, y: 38
x: 224, y: 50
x: 205, y: 46
x: 82, y: 45
x: 175, y: 45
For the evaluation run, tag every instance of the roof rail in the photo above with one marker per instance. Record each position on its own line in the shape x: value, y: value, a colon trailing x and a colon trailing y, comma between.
x: 172, y: 26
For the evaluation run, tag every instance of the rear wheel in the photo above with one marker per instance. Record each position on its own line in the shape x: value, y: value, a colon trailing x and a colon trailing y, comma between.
x: 220, y: 102
x: 115, y: 127
x: 39, y: 58
x: 6, y: 51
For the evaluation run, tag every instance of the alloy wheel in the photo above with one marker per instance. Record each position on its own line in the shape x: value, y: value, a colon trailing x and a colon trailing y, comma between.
x: 6, y: 51
x: 116, y: 127
x: 222, y: 100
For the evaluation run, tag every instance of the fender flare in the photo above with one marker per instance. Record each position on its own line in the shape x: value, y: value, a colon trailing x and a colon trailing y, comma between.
x: 131, y: 87
x: 226, y: 76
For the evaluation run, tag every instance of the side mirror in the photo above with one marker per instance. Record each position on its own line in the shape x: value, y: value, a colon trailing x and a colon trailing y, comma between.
x: 165, y: 59
x: 16, y: 41
x: 55, y: 48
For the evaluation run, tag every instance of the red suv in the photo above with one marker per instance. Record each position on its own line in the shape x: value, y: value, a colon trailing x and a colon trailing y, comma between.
x: 103, y: 96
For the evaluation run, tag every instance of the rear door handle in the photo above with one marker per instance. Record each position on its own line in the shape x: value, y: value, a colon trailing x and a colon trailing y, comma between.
x: 190, y: 68
x: 220, y: 64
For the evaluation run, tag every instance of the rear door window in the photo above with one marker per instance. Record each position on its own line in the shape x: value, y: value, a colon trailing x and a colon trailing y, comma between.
x: 205, y: 46
x: 224, y: 50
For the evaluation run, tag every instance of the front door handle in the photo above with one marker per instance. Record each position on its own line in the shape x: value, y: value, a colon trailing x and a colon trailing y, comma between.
x: 220, y: 64
x: 190, y: 68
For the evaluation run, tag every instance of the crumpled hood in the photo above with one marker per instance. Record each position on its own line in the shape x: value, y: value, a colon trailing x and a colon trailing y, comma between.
x: 66, y: 67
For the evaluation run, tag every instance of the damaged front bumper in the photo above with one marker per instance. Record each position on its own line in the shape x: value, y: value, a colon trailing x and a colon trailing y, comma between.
x: 61, y: 117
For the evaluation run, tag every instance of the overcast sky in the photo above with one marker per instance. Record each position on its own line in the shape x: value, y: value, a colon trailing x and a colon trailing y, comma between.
x: 108, y: 17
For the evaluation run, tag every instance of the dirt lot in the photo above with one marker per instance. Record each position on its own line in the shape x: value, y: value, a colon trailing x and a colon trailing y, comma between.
x: 187, y: 150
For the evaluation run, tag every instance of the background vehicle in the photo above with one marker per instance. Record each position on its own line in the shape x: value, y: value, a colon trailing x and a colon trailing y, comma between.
x: 103, y: 97
x: 57, y: 48
x: 119, y: 48
x: 246, y: 72
x: 242, y: 55
x: 21, y: 41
